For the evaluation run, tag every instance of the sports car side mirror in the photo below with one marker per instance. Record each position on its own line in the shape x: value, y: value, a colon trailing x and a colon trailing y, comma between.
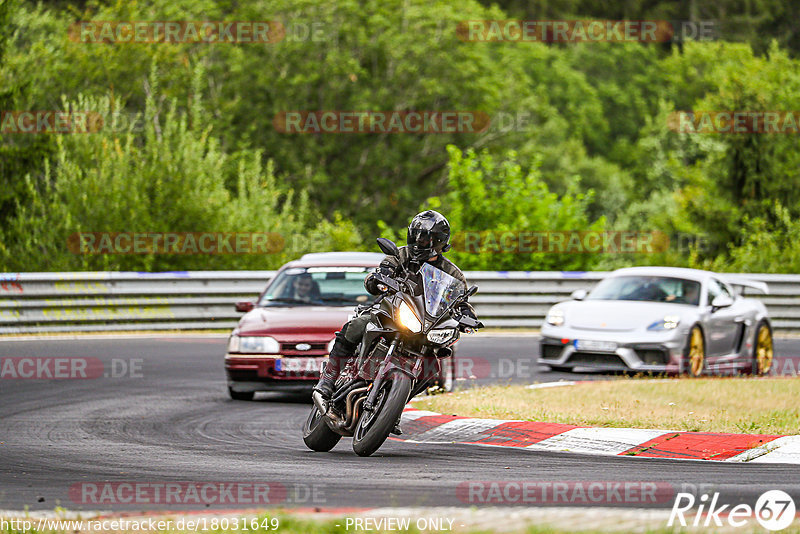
x: 721, y: 301
x: 388, y: 247
x: 578, y: 294
x: 245, y: 305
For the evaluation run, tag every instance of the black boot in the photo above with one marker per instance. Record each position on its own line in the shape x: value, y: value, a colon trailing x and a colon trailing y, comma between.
x: 325, y: 386
x: 396, y: 430
x: 341, y: 351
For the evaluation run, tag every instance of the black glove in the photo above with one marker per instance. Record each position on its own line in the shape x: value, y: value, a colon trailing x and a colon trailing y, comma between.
x: 466, y: 309
x: 372, y: 285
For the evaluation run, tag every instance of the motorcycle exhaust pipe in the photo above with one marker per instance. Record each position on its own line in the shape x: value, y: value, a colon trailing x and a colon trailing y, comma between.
x: 352, y: 425
x: 348, y: 418
x: 320, y: 402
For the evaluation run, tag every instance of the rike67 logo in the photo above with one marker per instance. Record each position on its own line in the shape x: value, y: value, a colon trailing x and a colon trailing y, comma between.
x: 774, y: 510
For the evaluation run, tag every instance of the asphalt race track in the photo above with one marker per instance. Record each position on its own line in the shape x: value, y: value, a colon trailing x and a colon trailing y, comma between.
x: 170, y: 420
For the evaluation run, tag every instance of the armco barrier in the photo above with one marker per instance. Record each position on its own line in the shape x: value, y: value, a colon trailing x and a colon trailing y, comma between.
x: 113, y: 301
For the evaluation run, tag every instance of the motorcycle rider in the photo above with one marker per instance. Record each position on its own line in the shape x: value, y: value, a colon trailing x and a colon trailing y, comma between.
x: 428, y: 238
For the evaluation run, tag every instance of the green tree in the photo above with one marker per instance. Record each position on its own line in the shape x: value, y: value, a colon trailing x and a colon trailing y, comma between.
x: 741, y: 174
x: 488, y: 196
x: 771, y: 245
x: 168, y: 176
x: 19, y: 154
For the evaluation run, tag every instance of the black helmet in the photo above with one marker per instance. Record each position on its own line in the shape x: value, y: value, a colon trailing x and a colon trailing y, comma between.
x: 428, y: 235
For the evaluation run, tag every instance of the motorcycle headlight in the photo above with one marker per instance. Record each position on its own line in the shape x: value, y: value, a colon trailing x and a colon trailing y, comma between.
x: 442, y: 335
x: 669, y: 322
x: 259, y: 345
x: 408, y: 319
x: 555, y: 317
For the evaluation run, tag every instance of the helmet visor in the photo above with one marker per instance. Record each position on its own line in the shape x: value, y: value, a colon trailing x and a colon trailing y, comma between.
x: 420, y: 238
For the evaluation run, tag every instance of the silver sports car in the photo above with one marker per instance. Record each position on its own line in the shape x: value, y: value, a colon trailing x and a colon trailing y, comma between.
x: 661, y: 320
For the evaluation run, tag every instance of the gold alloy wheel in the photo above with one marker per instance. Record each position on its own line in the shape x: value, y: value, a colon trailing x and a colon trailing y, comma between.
x: 764, y: 350
x: 697, y: 352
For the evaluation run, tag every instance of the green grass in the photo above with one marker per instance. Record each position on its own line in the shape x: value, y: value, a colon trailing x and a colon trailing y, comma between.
x: 737, y: 405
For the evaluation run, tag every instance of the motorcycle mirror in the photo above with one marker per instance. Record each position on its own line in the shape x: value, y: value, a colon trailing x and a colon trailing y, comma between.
x: 471, y: 291
x: 388, y: 247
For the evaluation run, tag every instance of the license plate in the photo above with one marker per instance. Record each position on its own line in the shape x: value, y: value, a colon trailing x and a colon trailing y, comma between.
x: 602, y: 346
x: 298, y: 365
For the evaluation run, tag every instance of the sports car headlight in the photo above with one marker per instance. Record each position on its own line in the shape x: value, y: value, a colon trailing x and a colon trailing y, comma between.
x: 233, y: 344
x: 408, y: 319
x: 258, y: 345
x: 442, y: 335
x: 555, y: 317
x: 669, y: 322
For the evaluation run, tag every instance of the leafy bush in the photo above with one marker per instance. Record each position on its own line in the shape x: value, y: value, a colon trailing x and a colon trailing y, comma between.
x: 487, y: 197
x: 168, y: 176
x: 597, y: 111
x: 767, y: 239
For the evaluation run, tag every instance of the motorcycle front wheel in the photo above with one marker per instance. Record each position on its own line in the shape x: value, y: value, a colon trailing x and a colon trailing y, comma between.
x: 316, y: 434
x: 374, y: 426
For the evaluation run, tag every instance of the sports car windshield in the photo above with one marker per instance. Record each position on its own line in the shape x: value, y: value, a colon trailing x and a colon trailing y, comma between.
x: 440, y: 289
x: 331, y: 286
x: 648, y: 288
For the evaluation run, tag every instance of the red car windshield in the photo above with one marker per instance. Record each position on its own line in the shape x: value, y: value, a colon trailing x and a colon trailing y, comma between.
x: 330, y: 286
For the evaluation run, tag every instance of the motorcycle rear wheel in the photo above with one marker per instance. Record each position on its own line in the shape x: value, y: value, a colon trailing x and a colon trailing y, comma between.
x: 316, y: 434
x: 374, y: 427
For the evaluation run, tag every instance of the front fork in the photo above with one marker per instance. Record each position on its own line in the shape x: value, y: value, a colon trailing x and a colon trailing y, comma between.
x: 386, y: 367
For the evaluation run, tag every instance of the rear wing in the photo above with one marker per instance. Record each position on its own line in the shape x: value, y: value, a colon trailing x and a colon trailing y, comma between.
x: 740, y: 284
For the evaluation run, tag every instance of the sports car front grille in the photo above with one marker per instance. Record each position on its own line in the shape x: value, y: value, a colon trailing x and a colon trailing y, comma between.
x: 653, y: 356
x: 551, y: 352
x: 596, y: 358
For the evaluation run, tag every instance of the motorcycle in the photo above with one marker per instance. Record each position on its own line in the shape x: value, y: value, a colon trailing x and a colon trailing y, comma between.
x: 410, y: 331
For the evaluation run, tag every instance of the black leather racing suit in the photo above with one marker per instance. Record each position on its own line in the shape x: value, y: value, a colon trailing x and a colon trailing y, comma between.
x: 348, y: 338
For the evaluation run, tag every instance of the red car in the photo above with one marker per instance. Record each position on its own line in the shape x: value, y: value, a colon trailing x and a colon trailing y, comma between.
x: 282, y: 340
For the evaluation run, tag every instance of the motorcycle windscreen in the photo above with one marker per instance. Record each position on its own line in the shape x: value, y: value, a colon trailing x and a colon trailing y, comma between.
x: 440, y: 289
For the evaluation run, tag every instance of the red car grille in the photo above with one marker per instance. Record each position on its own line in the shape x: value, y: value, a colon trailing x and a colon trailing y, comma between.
x: 317, y: 349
